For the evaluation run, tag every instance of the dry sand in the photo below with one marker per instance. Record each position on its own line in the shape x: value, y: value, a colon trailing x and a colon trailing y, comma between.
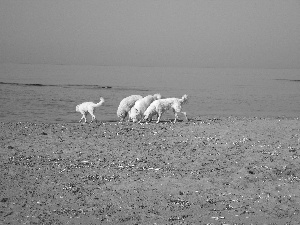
x: 224, y: 170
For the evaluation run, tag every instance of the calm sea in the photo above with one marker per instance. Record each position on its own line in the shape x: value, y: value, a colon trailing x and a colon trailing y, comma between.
x: 50, y: 93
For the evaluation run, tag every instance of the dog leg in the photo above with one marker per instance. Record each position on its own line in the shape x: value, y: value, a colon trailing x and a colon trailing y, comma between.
x: 81, y: 118
x: 176, y: 116
x: 91, y: 112
x: 158, y: 118
x: 129, y: 116
x: 93, y: 117
x: 85, y: 115
x: 184, y: 113
x: 141, y: 120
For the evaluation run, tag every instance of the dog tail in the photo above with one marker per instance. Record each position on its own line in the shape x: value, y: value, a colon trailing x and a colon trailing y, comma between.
x: 184, y: 99
x: 157, y: 96
x: 100, y: 103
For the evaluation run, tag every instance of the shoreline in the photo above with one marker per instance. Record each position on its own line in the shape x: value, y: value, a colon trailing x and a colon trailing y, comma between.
x: 211, y: 169
x: 169, y: 119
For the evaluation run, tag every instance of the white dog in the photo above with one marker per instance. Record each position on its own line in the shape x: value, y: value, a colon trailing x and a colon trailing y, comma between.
x: 125, y: 106
x: 140, y: 106
x: 160, y: 106
x: 88, y: 107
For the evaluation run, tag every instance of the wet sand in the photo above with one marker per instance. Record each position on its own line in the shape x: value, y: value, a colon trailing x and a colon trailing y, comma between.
x: 210, y: 170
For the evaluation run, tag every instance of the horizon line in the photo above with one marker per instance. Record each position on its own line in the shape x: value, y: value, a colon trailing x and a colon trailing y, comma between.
x: 148, y: 66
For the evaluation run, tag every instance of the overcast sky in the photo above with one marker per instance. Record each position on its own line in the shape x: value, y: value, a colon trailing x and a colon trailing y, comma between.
x: 199, y: 33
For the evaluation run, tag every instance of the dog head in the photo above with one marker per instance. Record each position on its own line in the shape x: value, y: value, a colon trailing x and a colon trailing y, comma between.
x: 184, y: 98
x: 134, y: 114
x: 148, y: 116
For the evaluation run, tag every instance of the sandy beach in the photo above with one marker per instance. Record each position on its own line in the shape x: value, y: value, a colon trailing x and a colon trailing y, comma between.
x: 209, y: 170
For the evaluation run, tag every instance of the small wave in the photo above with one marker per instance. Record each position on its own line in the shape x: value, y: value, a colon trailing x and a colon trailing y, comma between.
x: 81, y: 86
x: 292, y: 80
x: 21, y: 84
x: 59, y: 85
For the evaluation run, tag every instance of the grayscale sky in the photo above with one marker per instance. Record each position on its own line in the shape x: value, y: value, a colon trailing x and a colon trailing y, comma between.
x: 184, y: 33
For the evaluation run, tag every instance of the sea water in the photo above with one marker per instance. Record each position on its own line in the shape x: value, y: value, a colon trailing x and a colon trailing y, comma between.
x: 50, y: 93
